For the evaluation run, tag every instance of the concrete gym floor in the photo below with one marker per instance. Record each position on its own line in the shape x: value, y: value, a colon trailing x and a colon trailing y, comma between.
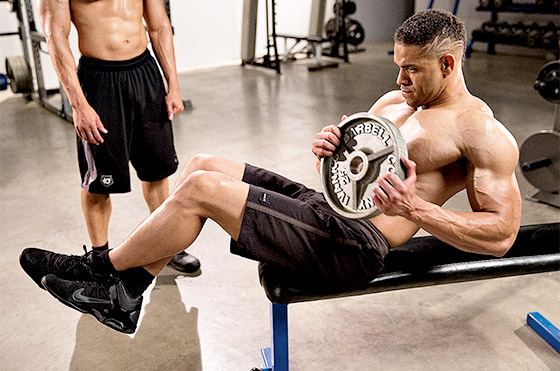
x: 220, y: 319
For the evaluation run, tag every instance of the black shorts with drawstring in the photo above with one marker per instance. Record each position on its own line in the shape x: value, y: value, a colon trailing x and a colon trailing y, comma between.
x: 290, y: 226
x: 129, y: 97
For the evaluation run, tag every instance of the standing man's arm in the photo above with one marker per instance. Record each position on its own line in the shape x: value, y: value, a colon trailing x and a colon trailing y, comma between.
x: 56, y: 20
x: 161, y: 37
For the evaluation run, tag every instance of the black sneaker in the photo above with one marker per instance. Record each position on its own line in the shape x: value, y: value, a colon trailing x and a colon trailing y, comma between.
x: 185, y: 262
x: 109, y: 303
x: 38, y: 263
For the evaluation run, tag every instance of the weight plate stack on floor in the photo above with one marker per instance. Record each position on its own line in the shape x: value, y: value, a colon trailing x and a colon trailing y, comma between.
x: 18, y: 74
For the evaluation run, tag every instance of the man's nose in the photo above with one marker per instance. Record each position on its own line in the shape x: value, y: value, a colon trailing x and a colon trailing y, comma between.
x: 402, y: 78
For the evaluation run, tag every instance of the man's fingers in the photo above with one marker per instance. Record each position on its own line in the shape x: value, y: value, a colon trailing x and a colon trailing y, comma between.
x: 387, y: 188
x: 410, y: 166
x: 380, y: 194
x: 90, y: 138
x: 101, y: 128
x: 97, y: 136
x: 333, y: 140
x: 395, y: 182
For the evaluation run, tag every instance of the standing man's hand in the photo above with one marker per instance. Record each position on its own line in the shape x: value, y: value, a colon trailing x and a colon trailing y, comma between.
x: 88, y: 125
x: 174, y: 104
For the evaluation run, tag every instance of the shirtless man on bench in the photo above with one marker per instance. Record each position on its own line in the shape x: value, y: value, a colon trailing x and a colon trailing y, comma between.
x: 454, y: 143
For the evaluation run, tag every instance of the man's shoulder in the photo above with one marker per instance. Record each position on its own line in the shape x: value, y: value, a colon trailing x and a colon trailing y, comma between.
x: 391, y: 99
x: 480, y: 129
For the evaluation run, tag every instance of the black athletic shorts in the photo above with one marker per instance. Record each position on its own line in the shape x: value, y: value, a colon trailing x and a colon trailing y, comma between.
x: 129, y: 97
x: 292, y: 227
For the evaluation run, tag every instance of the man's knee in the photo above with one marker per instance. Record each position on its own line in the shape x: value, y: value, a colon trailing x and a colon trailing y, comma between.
x: 199, y: 186
x: 201, y: 162
x: 94, y: 198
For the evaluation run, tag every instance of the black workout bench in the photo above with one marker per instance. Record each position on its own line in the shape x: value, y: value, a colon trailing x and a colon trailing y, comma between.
x: 423, y: 261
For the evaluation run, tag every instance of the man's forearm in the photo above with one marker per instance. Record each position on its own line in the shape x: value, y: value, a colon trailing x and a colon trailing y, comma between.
x: 478, y: 232
x: 65, y: 68
x: 162, y: 43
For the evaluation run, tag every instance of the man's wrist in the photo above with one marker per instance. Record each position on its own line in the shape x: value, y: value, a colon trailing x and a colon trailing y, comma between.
x: 173, y: 86
x: 418, y: 210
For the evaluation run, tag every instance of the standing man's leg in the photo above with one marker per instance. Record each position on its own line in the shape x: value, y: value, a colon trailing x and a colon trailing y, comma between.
x: 155, y: 193
x: 97, y: 211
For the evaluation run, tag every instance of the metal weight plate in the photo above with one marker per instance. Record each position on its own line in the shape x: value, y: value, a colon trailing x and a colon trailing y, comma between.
x: 355, y: 33
x: 548, y: 81
x: 18, y: 74
x: 371, y: 146
x: 539, y: 159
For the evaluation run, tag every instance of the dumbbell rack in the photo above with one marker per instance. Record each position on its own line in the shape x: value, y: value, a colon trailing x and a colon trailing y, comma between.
x: 532, y: 8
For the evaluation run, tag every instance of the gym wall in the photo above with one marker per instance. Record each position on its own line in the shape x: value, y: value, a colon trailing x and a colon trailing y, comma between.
x: 208, y: 33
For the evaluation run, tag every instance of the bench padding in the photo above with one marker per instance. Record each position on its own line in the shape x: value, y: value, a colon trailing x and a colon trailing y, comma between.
x: 426, y: 261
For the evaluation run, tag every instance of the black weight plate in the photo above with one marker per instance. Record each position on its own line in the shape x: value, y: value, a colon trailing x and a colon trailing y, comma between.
x: 18, y: 74
x: 544, y: 148
x: 548, y: 81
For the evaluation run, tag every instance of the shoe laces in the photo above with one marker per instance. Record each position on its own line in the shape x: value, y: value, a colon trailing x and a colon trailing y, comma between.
x: 67, y: 263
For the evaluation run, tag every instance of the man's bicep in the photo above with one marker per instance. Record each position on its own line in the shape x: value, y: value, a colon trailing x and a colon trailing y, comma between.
x: 154, y: 14
x: 492, y: 187
x: 491, y: 191
x: 55, y: 17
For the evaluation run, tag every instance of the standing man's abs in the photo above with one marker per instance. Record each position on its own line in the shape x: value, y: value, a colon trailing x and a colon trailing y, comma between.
x: 109, y: 29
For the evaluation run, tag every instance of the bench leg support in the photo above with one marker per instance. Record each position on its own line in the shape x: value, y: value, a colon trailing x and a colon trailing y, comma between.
x: 545, y: 329
x: 275, y: 358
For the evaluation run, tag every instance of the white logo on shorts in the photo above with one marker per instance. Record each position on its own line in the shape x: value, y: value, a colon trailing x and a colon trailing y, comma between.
x: 107, y: 180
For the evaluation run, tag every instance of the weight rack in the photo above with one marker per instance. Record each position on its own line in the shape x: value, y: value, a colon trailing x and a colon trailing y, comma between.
x: 26, y: 74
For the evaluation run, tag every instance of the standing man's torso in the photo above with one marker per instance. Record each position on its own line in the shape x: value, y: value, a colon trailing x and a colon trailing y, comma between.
x: 109, y: 29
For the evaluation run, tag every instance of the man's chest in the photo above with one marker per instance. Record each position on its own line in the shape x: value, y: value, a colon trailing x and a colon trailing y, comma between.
x: 432, y: 138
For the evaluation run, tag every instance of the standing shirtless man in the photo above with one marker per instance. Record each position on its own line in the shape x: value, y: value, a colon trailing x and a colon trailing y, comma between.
x: 121, y: 111
x: 454, y: 143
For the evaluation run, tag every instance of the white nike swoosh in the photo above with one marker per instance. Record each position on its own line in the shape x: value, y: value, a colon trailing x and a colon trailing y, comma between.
x: 81, y: 298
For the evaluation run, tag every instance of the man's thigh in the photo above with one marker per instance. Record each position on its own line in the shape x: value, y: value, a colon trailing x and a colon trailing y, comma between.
x: 274, y: 182
x: 298, y: 236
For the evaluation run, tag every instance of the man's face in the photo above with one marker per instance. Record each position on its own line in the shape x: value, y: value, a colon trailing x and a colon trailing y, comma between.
x: 420, y: 77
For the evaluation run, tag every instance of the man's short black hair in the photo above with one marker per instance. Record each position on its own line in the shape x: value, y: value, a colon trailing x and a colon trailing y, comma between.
x: 436, y: 31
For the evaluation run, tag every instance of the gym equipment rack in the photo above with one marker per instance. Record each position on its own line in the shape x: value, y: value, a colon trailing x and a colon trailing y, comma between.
x: 497, y: 35
x: 25, y: 74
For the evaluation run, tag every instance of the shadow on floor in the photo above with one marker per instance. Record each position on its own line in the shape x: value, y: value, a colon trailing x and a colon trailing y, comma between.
x: 167, y: 338
x: 539, y: 346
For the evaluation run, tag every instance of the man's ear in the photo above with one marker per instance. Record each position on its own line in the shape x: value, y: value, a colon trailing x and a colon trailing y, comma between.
x: 448, y: 63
